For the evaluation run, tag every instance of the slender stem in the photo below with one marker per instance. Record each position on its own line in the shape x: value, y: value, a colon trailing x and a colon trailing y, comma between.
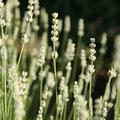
x: 46, y: 108
x: 55, y: 78
x: 67, y: 77
x: 2, y: 76
x: 3, y: 114
x: 10, y: 102
x: 11, y: 113
x: 62, y: 65
x: 74, y: 114
x: 0, y: 110
x: 90, y: 89
x: 56, y: 87
x: 99, y: 64
x: 65, y: 36
x: 23, y: 45
x: 75, y: 63
x: 90, y: 98
x: 5, y: 88
x: 106, y: 90
x: 41, y: 86
x: 65, y: 109
x: 70, y: 114
x: 61, y: 114
x: 4, y: 71
x: 85, y: 90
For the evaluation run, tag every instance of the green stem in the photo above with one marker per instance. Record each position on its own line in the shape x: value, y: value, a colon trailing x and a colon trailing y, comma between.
x: 3, y: 114
x: 62, y: 65
x: 67, y: 77
x: 106, y: 90
x: 99, y: 64
x: 70, y: 115
x: 90, y: 98
x: 61, y: 114
x: 55, y: 78
x: 56, y: 87
x: 85, y: 90
x: 4, y: 71
x: 41, y: 86
x: 75, y: 63
x: 74, y: 114
x: 65, y: 36
x: 65, y: 109
x: 46, y: 109
x: 5, y: 87
x: 23, y: 45
x: 10, y: 102
x: 90, y: 89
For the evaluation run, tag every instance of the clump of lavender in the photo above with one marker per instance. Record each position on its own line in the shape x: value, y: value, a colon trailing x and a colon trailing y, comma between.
x: 57, y: 81
x: 79, y: 103
x: 54, y: 39
x: 91, y: 70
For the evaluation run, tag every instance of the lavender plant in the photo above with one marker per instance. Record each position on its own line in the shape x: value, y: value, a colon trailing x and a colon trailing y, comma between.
x: 52, y: 82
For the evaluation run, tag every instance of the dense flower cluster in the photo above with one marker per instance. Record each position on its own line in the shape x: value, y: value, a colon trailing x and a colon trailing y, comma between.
x: 29, y: 17
x: 70, y: 51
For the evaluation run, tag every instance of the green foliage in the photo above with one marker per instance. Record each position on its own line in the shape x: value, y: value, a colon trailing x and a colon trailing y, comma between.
x: 117, y: 107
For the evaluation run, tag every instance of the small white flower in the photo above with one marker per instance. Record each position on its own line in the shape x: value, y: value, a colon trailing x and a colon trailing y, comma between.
x: 44, y: 17
x: 67, y: 24
x: 23, y: 84
x: 70, y: 51
x: 41, y: 57
x: 51, y: 117
x: 25, y: 38
x: 2, y: 22
x: 60, y: 25
x: 31, y: 2
x: 62, y: 83
x: 60, y: 102
x: 50, y: 80
x: 81, y: 27
x: 29, y: 17
x: 104, y: 39
x: 112, y: 73
x: 80, y: 103
x: 65, y: 94
x: 54, y: 38
x: 0, y: 42
x: 92, y: 40
x: 1, y: 3
x: 37, y: 8
x: 68, y: 66
x: 59, y: 74
x: 40, y: 112
x: 81, y: 76
x: 91, y: 69
x: 54, y: 55
x: 104, y: 109
x: 83, y: 58
x: 87, y: 77
x: 92, y: 50
x: 54, y: 31
x: 55, y: 15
